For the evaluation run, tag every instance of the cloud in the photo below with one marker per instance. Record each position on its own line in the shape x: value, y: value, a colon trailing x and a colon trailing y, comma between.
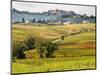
x: 41, y: 7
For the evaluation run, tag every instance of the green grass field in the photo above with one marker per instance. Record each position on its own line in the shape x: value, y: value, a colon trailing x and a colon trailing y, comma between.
x: 53, y: 64
x: 76, y: 51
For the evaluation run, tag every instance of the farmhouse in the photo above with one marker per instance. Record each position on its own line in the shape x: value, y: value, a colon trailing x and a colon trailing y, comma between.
x: 28, y: 21
x: 66, y: 23
x: 85, y: 21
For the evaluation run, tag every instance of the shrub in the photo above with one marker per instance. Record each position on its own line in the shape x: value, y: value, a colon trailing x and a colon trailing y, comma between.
x: 62, y: 37
x: 20, y: 47
x: 40, y: 44
x: 50, y: 47
x: 20, y: 54
x: 46, y: 48
x: 30, y: 42
x: 18, y: 50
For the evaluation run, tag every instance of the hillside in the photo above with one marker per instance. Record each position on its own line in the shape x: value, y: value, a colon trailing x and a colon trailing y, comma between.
x: 50, y: 16
x: 75, y: 52
x: 78, y: 38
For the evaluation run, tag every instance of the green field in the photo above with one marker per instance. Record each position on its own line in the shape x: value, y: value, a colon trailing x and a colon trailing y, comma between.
x: 53, y: 64
x: 76, y: 51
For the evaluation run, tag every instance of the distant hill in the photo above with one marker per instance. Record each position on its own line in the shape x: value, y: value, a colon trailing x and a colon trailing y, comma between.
x: 50, y: 16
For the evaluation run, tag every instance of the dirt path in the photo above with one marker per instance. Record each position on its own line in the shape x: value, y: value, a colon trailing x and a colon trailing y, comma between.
x: 73, y: 34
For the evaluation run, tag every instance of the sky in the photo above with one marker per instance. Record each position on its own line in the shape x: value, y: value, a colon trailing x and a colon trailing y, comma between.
x: 42, y: 7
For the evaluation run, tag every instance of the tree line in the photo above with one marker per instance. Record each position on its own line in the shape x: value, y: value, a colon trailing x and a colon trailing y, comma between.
x: 35, y: 21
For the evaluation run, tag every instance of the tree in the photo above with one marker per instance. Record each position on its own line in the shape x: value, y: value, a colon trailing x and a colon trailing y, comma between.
x: 41, y: 49
x: 20, y: 54
x: 23, y: 20
x: 43, y: 21
x: 30, y: 42
x: 92, y: 16
x: 39, y: 21
x: 18, y: 50
x: 20, y: 47
x: 50, y: 48
x: 33, y: 20
x: 62, y: 22
x: 46, y: 48
x: 62, y: 37
x: 85, y: 15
